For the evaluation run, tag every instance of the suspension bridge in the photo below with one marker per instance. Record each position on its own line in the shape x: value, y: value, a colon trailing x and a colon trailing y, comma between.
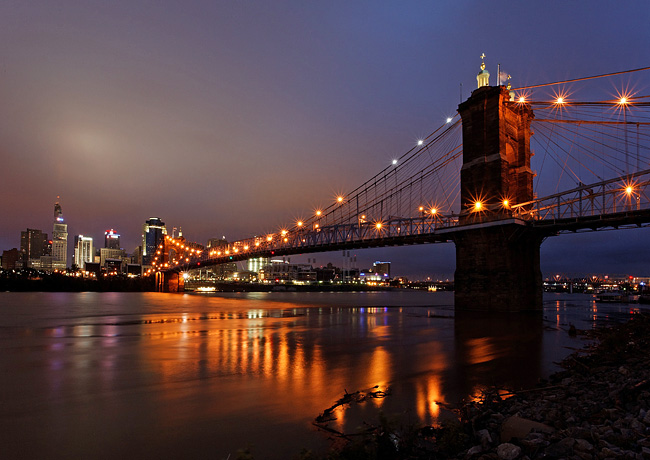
x: 472, y: 182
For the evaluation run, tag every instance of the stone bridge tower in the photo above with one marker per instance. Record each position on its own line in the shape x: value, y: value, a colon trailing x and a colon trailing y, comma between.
x: 497, y: 255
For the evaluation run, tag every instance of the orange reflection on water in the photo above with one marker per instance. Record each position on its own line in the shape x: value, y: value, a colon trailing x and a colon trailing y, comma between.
x: 379, y: 372
x: 480, y: 350
x: 245, y: 354
x: 267, y: 351
x: 380, y: 367
x: 427, y: 398
x: 282, y: 370
x: 255, y: 349
x: 315, y: 372
x: 297, y: 371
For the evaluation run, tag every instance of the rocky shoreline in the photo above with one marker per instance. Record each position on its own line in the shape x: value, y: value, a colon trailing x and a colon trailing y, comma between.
x: 598, y: 407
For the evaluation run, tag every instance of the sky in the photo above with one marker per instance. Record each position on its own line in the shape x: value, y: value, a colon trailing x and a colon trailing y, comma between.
x: 231, y: 118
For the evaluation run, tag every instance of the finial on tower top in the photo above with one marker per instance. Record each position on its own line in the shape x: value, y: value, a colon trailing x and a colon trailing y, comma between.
x: 483, y: 77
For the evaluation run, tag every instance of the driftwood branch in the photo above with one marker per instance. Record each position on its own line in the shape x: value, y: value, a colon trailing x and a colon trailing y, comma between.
x: 348, y: 398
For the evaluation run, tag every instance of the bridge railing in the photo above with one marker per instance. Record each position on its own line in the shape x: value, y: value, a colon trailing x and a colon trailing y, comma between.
x: 332, y: 236
x: 622, y: 194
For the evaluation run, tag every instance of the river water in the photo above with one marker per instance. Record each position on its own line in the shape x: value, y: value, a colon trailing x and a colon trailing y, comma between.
x: 153, y: 375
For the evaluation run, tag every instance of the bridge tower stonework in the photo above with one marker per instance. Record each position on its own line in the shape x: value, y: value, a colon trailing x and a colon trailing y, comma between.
x: 169, y: 282
x: 497, y: 255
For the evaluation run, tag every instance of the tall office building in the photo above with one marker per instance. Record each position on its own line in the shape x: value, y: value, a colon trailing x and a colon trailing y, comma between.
x: 33, y: 245
x: 153, y: 232
x: 111, y: 239
x: 59, y: 240
x: 83, y: 251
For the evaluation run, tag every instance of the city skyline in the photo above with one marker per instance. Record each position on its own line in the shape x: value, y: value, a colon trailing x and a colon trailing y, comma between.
x: 236, y: 119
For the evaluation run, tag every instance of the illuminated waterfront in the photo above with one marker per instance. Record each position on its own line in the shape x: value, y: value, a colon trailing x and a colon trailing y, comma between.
x: 108, y: 375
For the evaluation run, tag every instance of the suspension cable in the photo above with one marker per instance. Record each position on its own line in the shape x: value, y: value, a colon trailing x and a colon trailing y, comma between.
x: 581, y: 79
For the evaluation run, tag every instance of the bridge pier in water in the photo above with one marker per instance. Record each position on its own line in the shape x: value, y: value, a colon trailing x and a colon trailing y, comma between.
x: 169, y: 282
x: 497, y: 255
x: 497, y: 268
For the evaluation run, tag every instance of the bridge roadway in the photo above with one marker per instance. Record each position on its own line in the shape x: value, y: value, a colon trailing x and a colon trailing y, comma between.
x: 621, y: 202
x: 337, y: 238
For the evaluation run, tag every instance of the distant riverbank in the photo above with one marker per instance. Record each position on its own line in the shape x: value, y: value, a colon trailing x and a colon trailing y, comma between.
x: 58, y: 282
x: 34, y: 281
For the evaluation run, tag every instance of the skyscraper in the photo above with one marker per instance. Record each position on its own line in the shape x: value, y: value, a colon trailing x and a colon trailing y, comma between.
x: 83, y: 251
x: 153, y: 232
x: 59, y: 240
x: 111, y: 239
x: 33, y: 245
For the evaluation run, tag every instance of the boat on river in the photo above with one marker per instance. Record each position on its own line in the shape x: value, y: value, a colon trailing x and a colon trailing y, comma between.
x: 617, y: 297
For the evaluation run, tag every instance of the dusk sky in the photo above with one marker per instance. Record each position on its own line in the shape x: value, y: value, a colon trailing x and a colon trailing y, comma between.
x: 233, y: 118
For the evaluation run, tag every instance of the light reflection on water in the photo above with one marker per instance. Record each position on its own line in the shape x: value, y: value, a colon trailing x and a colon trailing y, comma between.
x: 155, y: 375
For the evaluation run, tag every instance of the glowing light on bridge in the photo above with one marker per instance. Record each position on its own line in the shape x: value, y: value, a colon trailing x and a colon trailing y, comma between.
x: 378, y: 225
x: 394, y: 162
x: 506, y: 203
x: 478, y: 206
x: 449, y: 119
x: 319, y: 212
x: 420, y: 142
x: 434, y: 211
x: 561, y: 98
x: 269, y: 238
x: 624, y: 97
x: 283, y: 232
x: 522, y: 100
x: 299, y: 223
x: 339, y: 199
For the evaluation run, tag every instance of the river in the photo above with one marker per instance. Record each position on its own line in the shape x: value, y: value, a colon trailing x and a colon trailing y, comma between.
x: 153, y: 375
